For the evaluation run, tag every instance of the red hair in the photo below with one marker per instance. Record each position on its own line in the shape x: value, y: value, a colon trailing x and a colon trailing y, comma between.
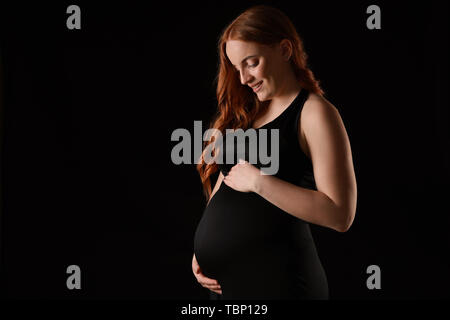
x: 238, y: 106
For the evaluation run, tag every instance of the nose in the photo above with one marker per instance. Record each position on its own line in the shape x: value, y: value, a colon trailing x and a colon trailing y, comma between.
x: 245, y: 77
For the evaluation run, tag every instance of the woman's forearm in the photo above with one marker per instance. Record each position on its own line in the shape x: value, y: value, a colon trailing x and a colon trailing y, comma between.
x: 309, y: 205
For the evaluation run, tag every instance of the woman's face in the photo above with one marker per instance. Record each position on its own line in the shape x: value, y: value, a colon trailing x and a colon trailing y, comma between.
x: 261, y: 67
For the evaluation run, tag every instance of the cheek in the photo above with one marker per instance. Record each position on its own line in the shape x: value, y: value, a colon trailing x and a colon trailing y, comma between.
x: 266, y: 77
x: 262, y: 74
x: 265, y: 73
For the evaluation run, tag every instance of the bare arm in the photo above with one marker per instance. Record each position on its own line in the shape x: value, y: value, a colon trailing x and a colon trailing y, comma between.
x: 333, y: 205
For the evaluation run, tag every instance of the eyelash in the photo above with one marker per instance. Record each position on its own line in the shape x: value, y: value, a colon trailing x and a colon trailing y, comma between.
x: 250, y: 65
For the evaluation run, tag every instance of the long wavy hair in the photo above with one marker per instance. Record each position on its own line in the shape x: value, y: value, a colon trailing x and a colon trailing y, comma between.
x: 238, y: 105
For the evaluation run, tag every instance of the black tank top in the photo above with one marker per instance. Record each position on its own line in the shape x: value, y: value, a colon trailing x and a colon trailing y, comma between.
x: 253, y: 248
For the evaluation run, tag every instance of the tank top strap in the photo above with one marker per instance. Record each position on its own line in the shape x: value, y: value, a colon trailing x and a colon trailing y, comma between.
x: 303, y: 97
x: 293, y: 153
x: 290, y: 122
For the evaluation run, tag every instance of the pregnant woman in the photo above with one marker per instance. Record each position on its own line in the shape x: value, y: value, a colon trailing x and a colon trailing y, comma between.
x: 254, y: 240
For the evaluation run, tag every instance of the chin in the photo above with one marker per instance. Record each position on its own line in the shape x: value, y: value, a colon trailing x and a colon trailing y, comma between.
x: 263, y: 97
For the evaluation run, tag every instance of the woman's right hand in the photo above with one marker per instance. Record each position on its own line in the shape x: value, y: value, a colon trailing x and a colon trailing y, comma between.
x: 206, y: 282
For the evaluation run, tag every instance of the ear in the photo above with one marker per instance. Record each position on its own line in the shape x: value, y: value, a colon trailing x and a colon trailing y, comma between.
x: 286, y: 49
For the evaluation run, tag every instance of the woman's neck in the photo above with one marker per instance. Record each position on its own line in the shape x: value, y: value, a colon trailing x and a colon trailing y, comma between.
x: 285, y: 98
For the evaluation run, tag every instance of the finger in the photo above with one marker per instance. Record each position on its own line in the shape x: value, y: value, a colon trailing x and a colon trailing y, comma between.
x: 213, y: 287
x: 217, y: 291
x: 207, y: 280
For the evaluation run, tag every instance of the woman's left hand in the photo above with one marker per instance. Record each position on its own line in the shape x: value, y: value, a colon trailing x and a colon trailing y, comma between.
x: 242, y: 177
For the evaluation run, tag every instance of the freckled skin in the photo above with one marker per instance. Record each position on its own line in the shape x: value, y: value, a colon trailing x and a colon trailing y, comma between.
x: 270, y: 65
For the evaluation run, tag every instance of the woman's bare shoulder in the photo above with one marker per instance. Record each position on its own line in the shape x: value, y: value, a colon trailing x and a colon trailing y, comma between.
x: 317, y: 107
x: 317, y: 103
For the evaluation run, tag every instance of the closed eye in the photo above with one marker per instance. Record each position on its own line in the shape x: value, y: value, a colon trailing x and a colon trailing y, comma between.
x: 250, y: 66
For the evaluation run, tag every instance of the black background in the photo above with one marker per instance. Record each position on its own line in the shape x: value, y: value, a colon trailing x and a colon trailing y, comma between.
x: 87, y: 117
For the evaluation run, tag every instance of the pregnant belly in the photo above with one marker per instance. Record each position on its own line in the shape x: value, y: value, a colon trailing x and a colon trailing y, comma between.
x: 234, y: 226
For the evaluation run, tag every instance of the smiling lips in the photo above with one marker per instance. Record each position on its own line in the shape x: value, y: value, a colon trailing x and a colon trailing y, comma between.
x: 257, y: 87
